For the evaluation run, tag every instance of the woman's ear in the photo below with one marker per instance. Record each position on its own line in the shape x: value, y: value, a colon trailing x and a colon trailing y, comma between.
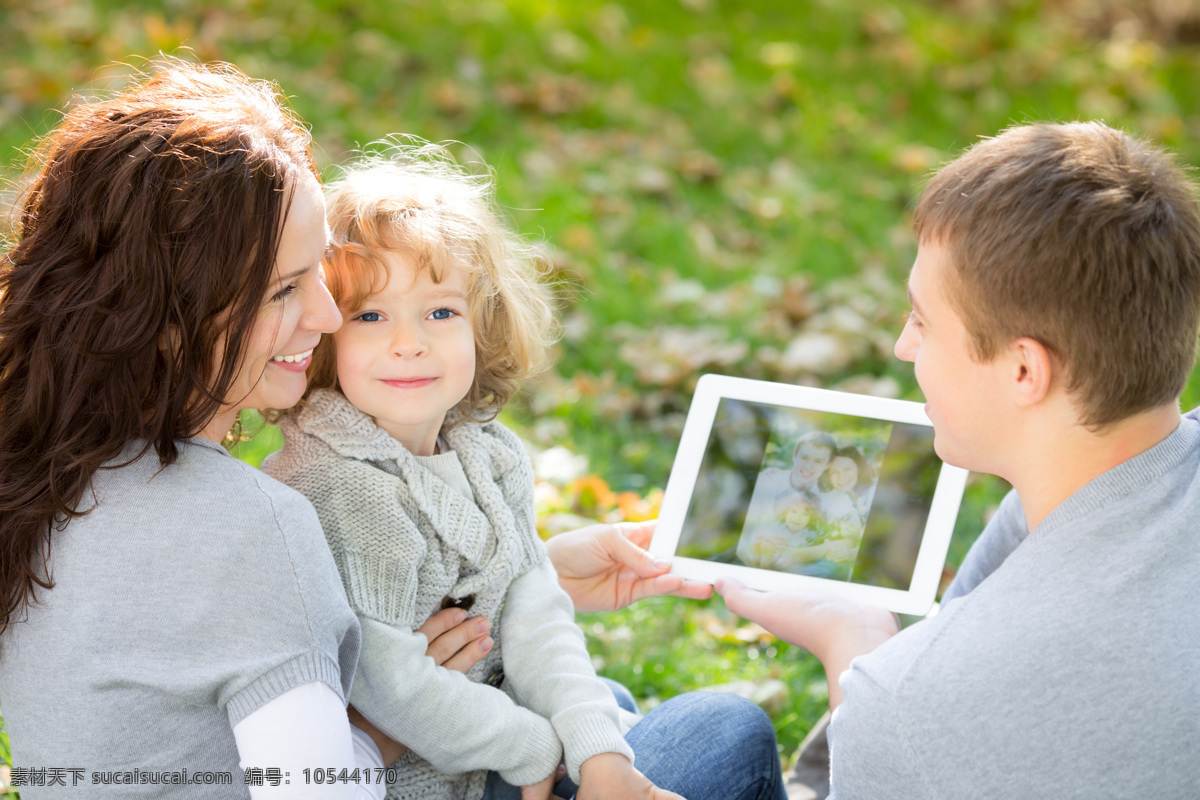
x: 1033, y: 370
x: 168, y: 341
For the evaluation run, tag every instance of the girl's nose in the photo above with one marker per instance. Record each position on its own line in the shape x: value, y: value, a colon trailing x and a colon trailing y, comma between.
x: 407, y: 341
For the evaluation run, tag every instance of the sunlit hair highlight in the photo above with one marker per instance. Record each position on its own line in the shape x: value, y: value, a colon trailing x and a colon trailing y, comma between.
x: 414, y: 200
x: 145, y: 245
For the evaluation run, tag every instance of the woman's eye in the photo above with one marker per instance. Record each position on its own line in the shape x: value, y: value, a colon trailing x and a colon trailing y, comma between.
x: 442, y: 313
x: 283, y: 293
x: 368, y: 316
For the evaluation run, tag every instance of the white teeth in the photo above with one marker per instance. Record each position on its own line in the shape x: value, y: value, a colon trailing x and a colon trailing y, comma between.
x: 293, y: 358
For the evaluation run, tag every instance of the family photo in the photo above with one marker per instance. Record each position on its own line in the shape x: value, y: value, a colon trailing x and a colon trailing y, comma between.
x: 807, y: 517
x: 346, y: 351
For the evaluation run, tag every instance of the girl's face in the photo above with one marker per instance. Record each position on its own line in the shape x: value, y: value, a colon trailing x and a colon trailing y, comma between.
x: 843, y: 473
x: 407, y: 355
x: 296, y: 311
x: 798, y: 517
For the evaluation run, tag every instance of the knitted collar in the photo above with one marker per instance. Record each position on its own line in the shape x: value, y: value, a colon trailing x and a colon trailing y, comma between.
x: 464, y: 524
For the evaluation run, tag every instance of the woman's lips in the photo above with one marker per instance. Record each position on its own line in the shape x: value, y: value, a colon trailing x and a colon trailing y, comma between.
x: 296, y: 362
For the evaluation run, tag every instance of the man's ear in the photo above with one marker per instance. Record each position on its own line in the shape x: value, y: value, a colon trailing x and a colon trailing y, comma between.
x: 1033, y: 370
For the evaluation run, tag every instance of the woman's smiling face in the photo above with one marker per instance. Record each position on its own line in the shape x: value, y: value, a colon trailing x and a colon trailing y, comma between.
x: 843, y: 473
x: 296, y: 311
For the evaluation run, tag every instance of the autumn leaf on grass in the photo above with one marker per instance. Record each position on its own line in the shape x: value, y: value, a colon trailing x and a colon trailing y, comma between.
x: 592, y: 495
x: 633, y: 508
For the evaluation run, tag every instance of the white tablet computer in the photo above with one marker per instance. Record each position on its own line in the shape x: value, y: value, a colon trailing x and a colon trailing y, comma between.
x: 782, y: 486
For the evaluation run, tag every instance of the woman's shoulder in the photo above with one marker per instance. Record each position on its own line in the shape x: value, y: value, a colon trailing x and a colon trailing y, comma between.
x: 207, y: 515
x: 204, y: 492
x: 226, y: 480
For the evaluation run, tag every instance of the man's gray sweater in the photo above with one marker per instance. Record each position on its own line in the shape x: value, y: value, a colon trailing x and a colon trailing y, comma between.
x: 1064, y: 663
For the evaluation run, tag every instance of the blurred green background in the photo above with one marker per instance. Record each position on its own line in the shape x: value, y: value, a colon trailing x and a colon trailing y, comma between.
x: 722, y: 186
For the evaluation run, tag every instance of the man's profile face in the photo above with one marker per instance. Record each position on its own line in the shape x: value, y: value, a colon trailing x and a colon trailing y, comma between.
x: 963, y: 396
x: 810, y: 461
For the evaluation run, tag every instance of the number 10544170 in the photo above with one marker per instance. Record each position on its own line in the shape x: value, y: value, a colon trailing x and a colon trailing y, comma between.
x: 321, y: 775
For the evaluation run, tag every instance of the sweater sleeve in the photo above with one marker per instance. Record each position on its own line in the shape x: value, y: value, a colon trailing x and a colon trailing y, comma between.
x: 454, y: 724
x: 547, y: 662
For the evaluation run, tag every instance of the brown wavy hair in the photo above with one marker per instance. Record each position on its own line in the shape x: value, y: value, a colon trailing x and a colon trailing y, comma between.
x: 145, y: 244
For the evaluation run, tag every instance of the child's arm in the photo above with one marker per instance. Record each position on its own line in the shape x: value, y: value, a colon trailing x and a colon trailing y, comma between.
x: 551, y: 672
x: 453, y: 723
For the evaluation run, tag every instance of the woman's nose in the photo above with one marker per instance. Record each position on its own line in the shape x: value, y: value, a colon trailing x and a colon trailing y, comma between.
x: 321, y: 313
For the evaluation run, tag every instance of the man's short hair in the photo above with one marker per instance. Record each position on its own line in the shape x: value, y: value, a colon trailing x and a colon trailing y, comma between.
x: 817, y: 439
x: 1085, y: 239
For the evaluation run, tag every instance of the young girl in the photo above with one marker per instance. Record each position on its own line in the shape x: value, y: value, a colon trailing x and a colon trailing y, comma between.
x: 427, y: 501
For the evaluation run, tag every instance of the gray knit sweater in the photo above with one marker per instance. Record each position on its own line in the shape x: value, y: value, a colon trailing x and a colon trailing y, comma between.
x: 403, y: 539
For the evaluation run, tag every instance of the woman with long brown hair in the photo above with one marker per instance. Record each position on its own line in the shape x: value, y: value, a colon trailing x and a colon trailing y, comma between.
x: 168, y: 614
x: 167, y: 611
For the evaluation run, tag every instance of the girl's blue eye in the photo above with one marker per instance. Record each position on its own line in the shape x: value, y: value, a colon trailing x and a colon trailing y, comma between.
x: 369, y: 316
x: 442, y: 313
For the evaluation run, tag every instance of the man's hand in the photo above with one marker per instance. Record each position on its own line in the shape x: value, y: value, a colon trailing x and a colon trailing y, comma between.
x: 610, y: 775
x: 833, y: 629
x: 606, y: 567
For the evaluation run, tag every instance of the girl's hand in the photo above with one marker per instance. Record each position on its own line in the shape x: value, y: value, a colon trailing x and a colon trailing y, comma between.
x: 540, y: 791
x: 610, y: 775
x: 456, y: 642
x: 606, y: 567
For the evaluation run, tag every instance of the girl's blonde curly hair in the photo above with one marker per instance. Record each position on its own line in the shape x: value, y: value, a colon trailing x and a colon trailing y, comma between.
x: 416, y: 200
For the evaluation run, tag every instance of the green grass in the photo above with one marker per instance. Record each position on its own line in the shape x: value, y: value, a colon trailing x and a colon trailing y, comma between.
x: 687, y: 162
x: 665, y: 646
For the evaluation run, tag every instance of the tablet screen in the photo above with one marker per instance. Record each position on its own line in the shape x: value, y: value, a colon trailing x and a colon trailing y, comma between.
x: 812, y: 493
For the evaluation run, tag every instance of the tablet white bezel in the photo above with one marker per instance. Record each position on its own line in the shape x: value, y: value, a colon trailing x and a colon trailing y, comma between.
x: 711, y: 389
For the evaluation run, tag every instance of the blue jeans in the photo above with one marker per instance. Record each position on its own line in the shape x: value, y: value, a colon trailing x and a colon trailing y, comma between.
x: 702, y: 745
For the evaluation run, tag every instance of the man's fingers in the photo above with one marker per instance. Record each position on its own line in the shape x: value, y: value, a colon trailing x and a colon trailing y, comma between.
x: 740, y: 600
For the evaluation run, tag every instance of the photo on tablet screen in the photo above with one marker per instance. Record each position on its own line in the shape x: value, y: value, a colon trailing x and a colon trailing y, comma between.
x: 812, y: 493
